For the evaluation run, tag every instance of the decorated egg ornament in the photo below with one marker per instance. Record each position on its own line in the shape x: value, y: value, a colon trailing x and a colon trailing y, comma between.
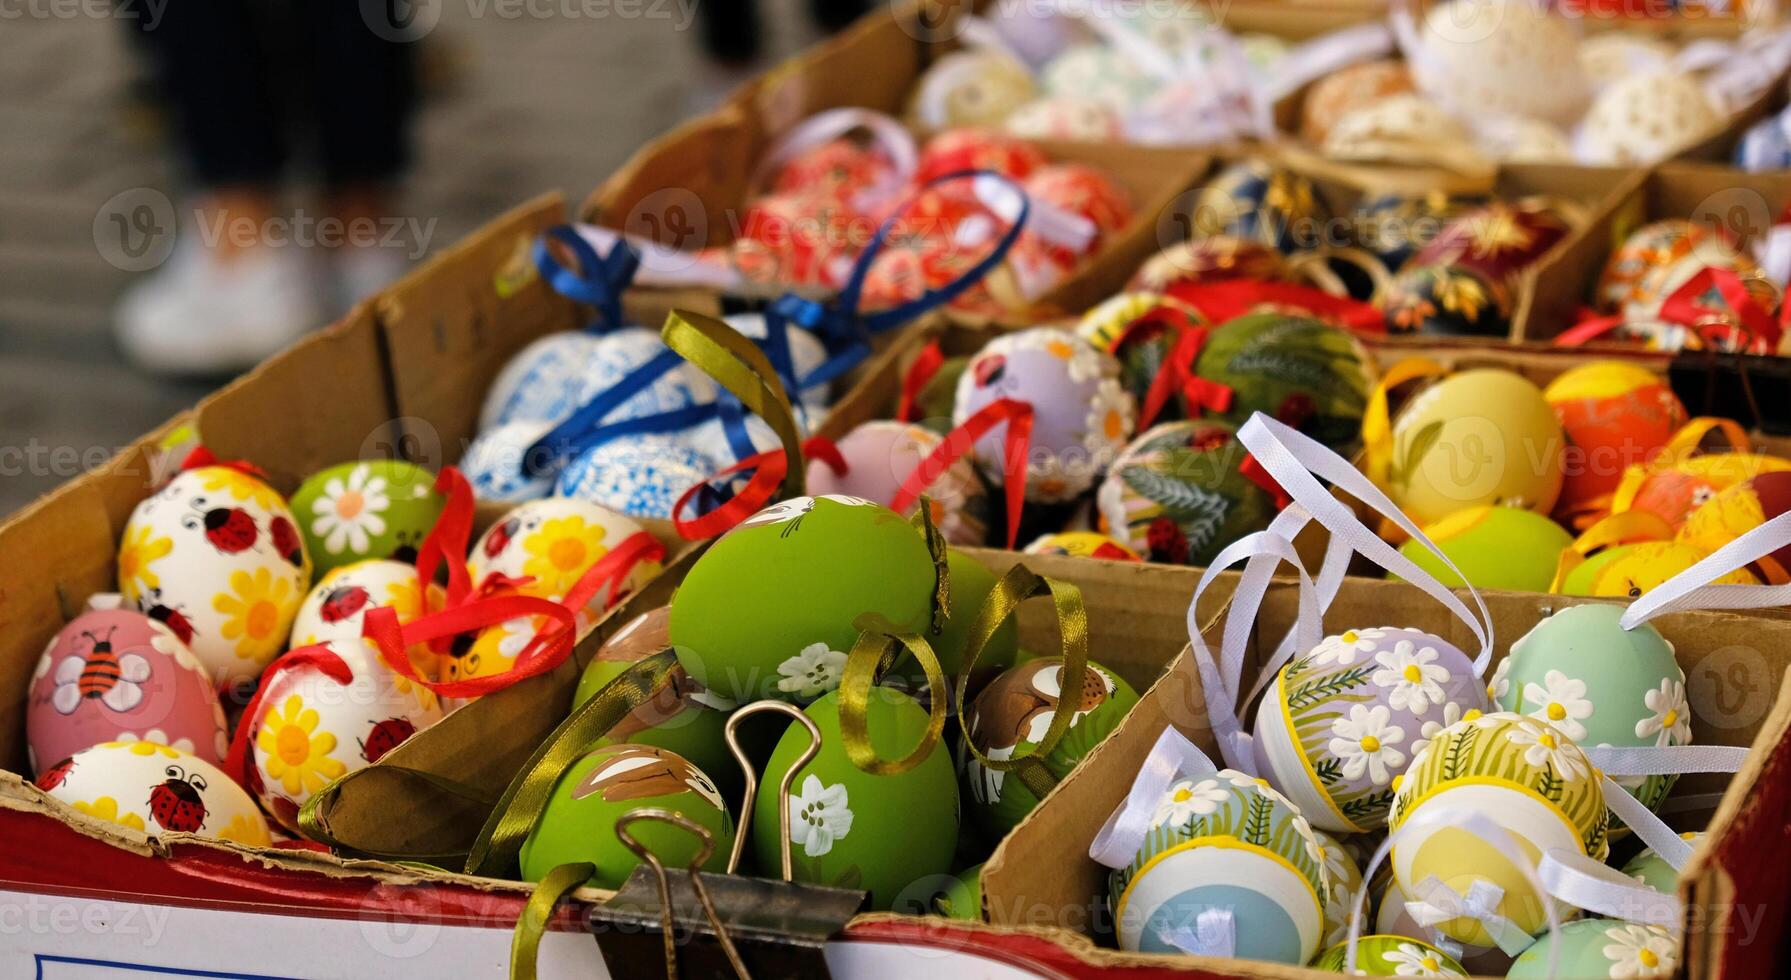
x: 680, y: 716
x: 1600, y: 948
x: 1614, y: 415
x: 1483, y: 436
x: 1301, y: 371
x: 154, y: 789
x: 1391, y: 956
x: 1495, y: 547
x: 380, y: 508
x: 1178, y: 493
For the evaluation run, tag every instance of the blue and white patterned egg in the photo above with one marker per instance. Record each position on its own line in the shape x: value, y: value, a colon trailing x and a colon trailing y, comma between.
x: 710, y: 438
x: 806, y: 354
x: 641, y: 476
x: 541, y: 382
x: 493, y: 463
x: 621, y: 353
x: 1766, y: 145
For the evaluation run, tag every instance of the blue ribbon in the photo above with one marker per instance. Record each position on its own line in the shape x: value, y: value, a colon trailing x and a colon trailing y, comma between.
x: 585, y: 429
x: 599, y: 280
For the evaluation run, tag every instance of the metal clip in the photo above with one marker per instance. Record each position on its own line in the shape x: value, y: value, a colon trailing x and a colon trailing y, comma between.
x: 665, y: 887
x: 752, y: 778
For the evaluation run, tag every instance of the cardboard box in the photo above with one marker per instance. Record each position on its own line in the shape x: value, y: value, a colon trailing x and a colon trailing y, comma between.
x: 1042, y: 877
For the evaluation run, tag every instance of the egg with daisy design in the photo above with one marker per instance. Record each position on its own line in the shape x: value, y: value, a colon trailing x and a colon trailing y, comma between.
x: 552, y: 543
x: 1229, y: 843
x: 1520, y: 773
x: 1344, y: 719
x: 1653, y: 870
x: 373, y: 508
x: 1599, y: 684
x: 1391, y: 956
x: 1601, y: 948
x: 335, y: 612
x: 1344, y: 876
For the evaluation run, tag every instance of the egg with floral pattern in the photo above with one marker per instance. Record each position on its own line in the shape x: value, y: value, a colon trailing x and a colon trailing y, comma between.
x: 1522, y: 774
x: 881, y: 455
x: 1600, y: 948
x: 1178, y: 493
x: 375, y: 508
x: 1600, y: 684
x: 335, y: 612
x: 1140, y: 329
x: 156, y: 790
x: 1497, y: 240
x: 638, y: 476
x: 1343, y: 720
x: 1082, y: 415
x: 1653, y: 870
x: 1344, y: 876
x: 114, y: 674
x: 494, y: 463
x: 1224, y: 842
x: 553, y: 543
x: 1448, y: 300
x: 540, y: 383
x: 772, y: 607
x: 217, y: 557
x: 1306, y: 373
x: 314, y: 727
x: 1391, y: 956
x: 1010, y: 718
x: 1257, y: 201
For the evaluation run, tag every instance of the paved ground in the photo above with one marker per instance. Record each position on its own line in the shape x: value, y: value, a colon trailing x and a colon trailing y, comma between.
x: 526, y: 103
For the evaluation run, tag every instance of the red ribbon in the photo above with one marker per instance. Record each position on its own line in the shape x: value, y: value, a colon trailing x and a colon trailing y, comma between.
x: 318, y: 656
x: 200, y: 456
x: 1758, y: 330
x: 958, y: 443
x: 1256, y: 473
x: 768, y: 469
x: 926, y: 365
x: 1232, y: 298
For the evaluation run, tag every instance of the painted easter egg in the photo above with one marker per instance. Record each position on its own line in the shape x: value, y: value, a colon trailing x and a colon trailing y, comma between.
x: 314, y: 728
x: 1630, y: 570
x: 1344, y: 876
x: 1392, y: 918
x: 972, y: 87
x: 1508, y: 61
x: 1343, y: 720
x: 1208, y: 259
x: 1484, y: 436
x: 1599, y: 684
x: 1404, y: 126
x: 493, y: 463
x: 1498, y: 240
x: 218, y: 558
x: 1065, y: 118
x: 578, y: 823
x: 638, y: 476
x: 1647, y: 118
x: 553, y: 542
x: 1301, y: 371
x: 881, y: 454
x: 681, y: 715
x: 1391, y: 956
x: 852, y: 829
x: 971, y: 583
x: 1600, y: 948
x: 1673, y: 492
x: 1081, y: 544
x: 963, y: 897
x: 1653, y: 870
x: 1082, y: 415
x: 112, y: 675
x: 1257, y: 201
x: 1447, y: 300
x: 335, y: 612
x: 1614, y: 415
x: 1738, y: 510
x: 726, y: 445
x: 540, y: 383
x: 970, y: 148
x: 620, y: 353
x: 1520, y: 773
x: 806, y: 354
x: 772, y: 607
x: 839, y: 168
x: 1137, y: 328
x: 1335, y: 95
x: 1394, y: 226
x: 375, y: 508
x: 1495, y: 547
x: 1098, y: 72
x: 1649, y: 247
x: 1177, y: 494
x: 1010, y: 717
x: 154, y: 789
x: 1227, y: 842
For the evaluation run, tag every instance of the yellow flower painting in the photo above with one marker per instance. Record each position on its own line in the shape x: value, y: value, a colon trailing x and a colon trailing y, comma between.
x: 258, y: 612
x: 561, y: 552
x: 296, y: 754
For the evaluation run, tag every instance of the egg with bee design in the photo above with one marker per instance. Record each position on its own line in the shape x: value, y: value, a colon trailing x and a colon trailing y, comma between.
x: 154, y: 789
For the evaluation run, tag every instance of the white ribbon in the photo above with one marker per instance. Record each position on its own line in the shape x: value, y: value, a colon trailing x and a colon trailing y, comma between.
x: 1440, y: 903
x: 1213, y: 933
x: 1658, y: 760
x: 1327, y: 53
x: 664, y: 266
x: 1170, y: 759
x: 887, y: 134
x: 1690, y: 589
x: 1738, y: 74
x: 1773, y: 249
x: 1044, y: 219
x: 1584, y: 883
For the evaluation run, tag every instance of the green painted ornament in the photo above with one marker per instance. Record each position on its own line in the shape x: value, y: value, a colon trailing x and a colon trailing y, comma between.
x: 963, y: 898
x: 1654, y: 871
x: 1495, y: 547
x: 772, y: 608
x: 1309, y: 374
x: 1178, y: 493
x: 1391, y: 956
x: 1600, y: 948
x: 371, y: 508
x: 578, y: 823
x: 850, y: 828
x: 971, y: 583
x: 1011, y: 716
x: 1600, y: 684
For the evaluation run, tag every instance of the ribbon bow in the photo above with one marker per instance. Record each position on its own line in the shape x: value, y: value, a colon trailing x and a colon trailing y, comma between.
x: 599, y: 281
x: 1212, y: 933
x: 1738, y: 323
x: 1436, y: 903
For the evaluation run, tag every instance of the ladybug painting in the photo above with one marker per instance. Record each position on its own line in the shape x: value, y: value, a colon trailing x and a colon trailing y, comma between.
x: 500, y: 536
x: 1167, y: 541
x: 989, y: 370
x: 385, y: 736
x: 176, y: 804
x: 169, y: 616
x: 52, y: 777
x: 286, y: 540
x: 344, y: 602
x: 229, y: 529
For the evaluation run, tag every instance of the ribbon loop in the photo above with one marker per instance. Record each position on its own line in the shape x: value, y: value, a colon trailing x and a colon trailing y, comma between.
x: 599, y: 281
x: 1584, y: 883
x: 1690, y: 589
x: 959, y: 442
x: 1171, y: 758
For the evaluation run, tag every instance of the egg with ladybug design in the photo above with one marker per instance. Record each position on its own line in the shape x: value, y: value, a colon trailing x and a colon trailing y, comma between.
x: 1178, y: 493
x: 740, y: 633
x: 1010, y: 718
x: 153, y: 789
x: 1082, y: 414
x: 216, y: 556
x: 881, y: 455
x: 113, y: 673
x: 376, y: 508
x: 314, y: 727
x: 551, y: 544
x: 335, y: 612
x: 1306, y: 373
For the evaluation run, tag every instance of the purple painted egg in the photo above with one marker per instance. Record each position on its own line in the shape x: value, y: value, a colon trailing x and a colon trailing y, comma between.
x: 1344, y: 720
x: 115, y: 675
x: 880, y: 455
x: 1082, y: 414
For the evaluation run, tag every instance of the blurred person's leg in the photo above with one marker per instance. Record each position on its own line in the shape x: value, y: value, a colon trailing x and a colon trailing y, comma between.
x: 730, y: 31
x: 228, y: 296
x: 832, y: 15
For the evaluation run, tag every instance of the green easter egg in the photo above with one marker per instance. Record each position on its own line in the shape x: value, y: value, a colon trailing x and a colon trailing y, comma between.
x: 371, y: 508
x: 1600, y: 684
x: 1290, y: 366
x: 771, y: 609
x: 1391, y: 956
x: 681, y: 715
x: 1011, y: 716
x: 1600, y: 948
x: 1495, y: 547
x: 1654, y: 871
x: 579, y: 821
x: 852, y: 829
x: 971, y: 584
x: 963, y: 898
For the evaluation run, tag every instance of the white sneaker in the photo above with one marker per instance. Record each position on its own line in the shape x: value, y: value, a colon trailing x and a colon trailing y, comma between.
x: 199, y: 316
x: 360, y: 272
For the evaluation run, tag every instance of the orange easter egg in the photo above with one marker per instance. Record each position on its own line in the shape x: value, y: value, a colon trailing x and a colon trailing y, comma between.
x: 1739, y: 509
x: 1614, y: 415
x: 1674, y: 492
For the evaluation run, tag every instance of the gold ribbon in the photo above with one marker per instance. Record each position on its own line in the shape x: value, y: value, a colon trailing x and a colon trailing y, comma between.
x: 738, y: 365
x: 494, y: 853
x: 1377, y: 418
x: 1614, y: 529
x: 935, y: 539
x: 314, y: 821
x: 1684, y: 445
x: 525, y: 943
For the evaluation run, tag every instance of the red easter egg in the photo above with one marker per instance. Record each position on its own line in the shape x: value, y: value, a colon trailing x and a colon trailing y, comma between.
x: 1614, y: 415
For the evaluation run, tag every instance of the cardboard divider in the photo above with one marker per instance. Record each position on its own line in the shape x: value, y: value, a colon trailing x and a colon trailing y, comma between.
x: 1735, y: 665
